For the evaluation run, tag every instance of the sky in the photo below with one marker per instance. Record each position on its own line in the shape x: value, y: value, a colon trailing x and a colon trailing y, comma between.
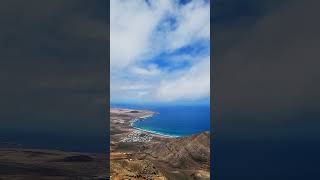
x: 266, y: 67
x: 52, y: 68
x: 159, y: 51
x: 266, y: 89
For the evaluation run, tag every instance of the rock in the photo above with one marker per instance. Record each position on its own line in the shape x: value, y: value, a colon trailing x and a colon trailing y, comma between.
x: 78, y: 158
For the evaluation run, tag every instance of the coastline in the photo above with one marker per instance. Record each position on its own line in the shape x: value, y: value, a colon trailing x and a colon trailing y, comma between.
x: 133, y: 115
x: 153, y: 133
x: 137, y: 152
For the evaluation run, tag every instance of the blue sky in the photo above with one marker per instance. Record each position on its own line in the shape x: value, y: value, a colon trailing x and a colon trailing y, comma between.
x: 160, y: 51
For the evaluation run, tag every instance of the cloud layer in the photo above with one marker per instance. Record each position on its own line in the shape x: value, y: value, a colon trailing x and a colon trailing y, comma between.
x: 160, y: 48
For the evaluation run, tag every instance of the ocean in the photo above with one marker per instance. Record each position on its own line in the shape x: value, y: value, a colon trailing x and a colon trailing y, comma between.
x: 79, y: 131
x: 78, y: 143
x: 175, y: 121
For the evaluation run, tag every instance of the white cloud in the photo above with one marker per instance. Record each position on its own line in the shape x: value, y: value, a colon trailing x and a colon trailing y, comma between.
x: 139, y: 32
x: 192, y: 84
x: 135, y: 87
x: 131, y: 25
x: 150, y: 70
x: 125, y: 90
x: 193, y: 25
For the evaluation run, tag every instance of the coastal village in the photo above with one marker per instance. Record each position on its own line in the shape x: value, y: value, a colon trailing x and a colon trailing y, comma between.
x: 126, y: 122
x: 137, y: 136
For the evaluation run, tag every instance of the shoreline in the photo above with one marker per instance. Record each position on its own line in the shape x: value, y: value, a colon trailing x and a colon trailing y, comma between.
x: 154, y: 133
x: 141, y: 115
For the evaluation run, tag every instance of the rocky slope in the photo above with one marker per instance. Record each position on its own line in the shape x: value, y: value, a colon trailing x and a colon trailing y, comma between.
x: 186, y: 152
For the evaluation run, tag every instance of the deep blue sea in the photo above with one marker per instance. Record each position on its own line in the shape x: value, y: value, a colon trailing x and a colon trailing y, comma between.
x: 181, y: 120
x: 79, y: 143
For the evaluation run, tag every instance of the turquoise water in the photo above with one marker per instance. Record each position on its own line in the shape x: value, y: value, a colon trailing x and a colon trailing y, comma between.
x: 175, y: 120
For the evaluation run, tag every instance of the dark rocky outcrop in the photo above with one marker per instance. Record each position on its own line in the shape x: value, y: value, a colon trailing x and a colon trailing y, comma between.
x: 32, y: 164
x: 78, y: 158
